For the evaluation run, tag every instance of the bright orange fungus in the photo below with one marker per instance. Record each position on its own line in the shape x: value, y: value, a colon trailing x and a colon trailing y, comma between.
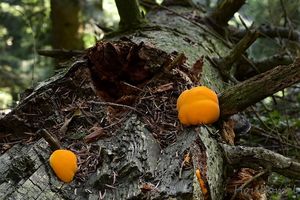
x: 64, y: 164
x: 198, y: 105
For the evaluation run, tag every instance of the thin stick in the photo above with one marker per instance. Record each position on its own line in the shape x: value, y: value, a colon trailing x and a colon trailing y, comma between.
x: 116, y: 104
x: 52, y: 141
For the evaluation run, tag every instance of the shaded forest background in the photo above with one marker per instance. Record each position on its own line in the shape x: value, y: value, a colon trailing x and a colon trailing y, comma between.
x: 29, y: 27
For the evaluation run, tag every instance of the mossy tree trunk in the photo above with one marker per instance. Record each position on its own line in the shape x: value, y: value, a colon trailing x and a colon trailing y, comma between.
x: 66, y: 25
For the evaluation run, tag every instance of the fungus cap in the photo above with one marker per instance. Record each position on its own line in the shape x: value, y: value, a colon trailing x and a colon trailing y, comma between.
x: 199, y: 92
x: 198, y: 105
x: 64, y: 164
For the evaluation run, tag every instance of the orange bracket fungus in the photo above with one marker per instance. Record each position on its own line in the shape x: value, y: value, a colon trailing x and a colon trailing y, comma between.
x: 198, y: 105
x: 64, y: 164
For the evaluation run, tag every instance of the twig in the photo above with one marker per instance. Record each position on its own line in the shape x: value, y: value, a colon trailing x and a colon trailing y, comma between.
x: 262, y: 132
x: 52, y: 141
x: 116, y: 104
x: 271, y: 32
x: 225, y: 65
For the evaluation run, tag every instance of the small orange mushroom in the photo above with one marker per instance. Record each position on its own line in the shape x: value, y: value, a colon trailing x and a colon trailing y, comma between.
x: 198, y: 105
x: 201, y: 183
x: 64, y: 164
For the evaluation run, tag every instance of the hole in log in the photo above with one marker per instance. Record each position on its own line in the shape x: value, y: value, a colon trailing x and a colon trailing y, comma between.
x: 119, y: 68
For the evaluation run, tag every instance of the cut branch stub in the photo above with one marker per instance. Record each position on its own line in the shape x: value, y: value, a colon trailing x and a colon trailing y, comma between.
x: 239, y: 97
x: 225, y: 11
x: 112, y: 64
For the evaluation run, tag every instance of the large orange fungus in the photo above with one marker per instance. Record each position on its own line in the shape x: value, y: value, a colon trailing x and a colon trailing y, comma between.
x: 64, y: 164
x: 198, y: 105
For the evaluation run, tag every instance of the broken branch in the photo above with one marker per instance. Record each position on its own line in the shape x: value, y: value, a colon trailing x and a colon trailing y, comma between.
x: 253, y: 90
x: 60, y: 53
x: 225, y: 65
x: 272, y: 32
x: 255, y: 157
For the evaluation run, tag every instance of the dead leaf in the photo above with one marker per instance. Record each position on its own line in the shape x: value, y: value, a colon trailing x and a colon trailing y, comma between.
x: 95, y: 133
x: 64, y: 127
x: 147, y: 187
x: 197, y: 67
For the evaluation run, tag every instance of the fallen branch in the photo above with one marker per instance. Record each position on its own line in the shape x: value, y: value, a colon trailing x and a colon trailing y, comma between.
x: 245, y: 70
x: 60, y: 53
x: 255, y: 157
x: 271, y: 32
x: 253, y: 90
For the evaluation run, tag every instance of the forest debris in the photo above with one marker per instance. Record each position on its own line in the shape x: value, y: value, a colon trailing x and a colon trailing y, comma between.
x: 228, y: 132
x: 89, y: 157
x: 186, y: 163
x: 197, y: 68
x: 247, y: 183
x: 113, y: 63
x: 226, y: 64
x: 148, y: 187
x: 200, y: 159
x: 184, y: 76
x: 96, y: 132
x: 163, y: 88
x: 177, y: 61
x: 64, y: 127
